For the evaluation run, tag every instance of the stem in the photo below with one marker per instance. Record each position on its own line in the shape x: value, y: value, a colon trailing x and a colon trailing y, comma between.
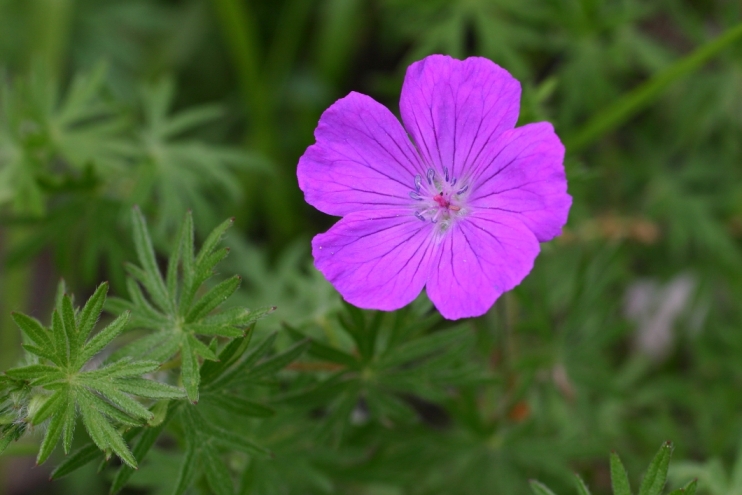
x: 50, y: 27
x: 276, y: 193
x: 637, y: 99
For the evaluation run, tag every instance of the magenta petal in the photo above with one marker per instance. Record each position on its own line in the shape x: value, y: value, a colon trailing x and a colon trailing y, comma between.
x: 454, y: 108
x: 522, y: 174
x: 482, y: 257
x: 362, y: 160
x: 376, y: 259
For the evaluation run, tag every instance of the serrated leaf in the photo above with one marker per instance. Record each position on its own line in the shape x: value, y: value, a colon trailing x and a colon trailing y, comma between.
x: 121, y: 400
x: 212, y: 240
x: 105, y: 436
x: 123, y: 368
x: 140, y: 449
x: 279, y: 361
x: 158, y: 346
x: 213, y: 298
x: 68, y: 320
x: 656, y: 476
x: 201, y: 349
x: 149, y: 389
x: 146, y: 254
x: 33, y: 329
x: 53, y: 405
x: 91, y: 312
x: 68, y: 429
x: 102, y: 339
x: 539, y: 488
x: 33, y: 372
x: 53, y: 433
x: 189, y: 370
x: 241, y: 367
x: 61, y: 343
x: 619, y: 478
x: 87, y: 399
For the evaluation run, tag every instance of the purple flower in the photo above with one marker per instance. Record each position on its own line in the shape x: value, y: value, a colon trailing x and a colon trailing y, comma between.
x: 456, y: 201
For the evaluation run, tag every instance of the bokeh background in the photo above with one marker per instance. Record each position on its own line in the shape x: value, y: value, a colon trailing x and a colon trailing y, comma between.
x: 627, y: 333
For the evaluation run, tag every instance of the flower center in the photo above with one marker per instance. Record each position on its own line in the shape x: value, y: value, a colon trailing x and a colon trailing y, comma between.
x: 439, y: 199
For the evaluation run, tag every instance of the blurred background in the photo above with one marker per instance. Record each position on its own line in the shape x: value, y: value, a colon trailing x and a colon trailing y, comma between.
x: 627, y: 333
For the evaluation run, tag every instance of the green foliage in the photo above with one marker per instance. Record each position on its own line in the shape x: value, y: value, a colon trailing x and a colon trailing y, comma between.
x: 625, y: 334
x: 102, y: 396
x: 176, y: 314
x: 653, y: 482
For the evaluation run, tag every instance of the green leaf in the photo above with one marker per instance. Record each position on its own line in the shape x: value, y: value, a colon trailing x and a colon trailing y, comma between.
x: 539, y: 488
x: 212, y: 240
x: 189, y: 370
x: 146, y: 254
x: 76, y: 460
x: 53, y: 405
x: 581, y: 486
x: 201, y: 349
x: 216, y: 296
x: 237, y: 442
x: 141, y: 448
x: 33, y: 330
x: 91, y: 312
x: 279, y: 361
x: 149, y: 389
x: 102, y: 339
x: 105, y: 436
x: 33, y: 372
x: 619, y: 478
x: 68, y: 319
x: 237, y: 405
x: 240, y: 368
x: 68, y: 429
x: 656, y: 476
x: 634, y: 101
x: 61, y: 343
x: 53, y: 433
x: 188, y: 470
x: 217, y: 475
x: 423, y: 346
x: 324, y: 352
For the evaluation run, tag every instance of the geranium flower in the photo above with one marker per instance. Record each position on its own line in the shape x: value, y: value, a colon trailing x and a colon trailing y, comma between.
x: 455, y: 201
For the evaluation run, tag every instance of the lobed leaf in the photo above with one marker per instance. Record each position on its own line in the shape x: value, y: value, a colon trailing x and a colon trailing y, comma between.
x: 90, y: 313
x: 102, y: 339
x: 33, y: 329
x: 213, y: 298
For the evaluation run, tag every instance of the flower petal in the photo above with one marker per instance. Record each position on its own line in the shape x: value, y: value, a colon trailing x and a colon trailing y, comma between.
x: 376, y: 259
x: 454, y: 108
x: 523, y: 175
x: 483, y: 256
x: 362, y: 160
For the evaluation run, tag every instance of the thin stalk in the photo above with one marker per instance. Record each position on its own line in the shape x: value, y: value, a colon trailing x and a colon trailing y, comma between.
x: 276, y: 194
x: 640, y: 97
